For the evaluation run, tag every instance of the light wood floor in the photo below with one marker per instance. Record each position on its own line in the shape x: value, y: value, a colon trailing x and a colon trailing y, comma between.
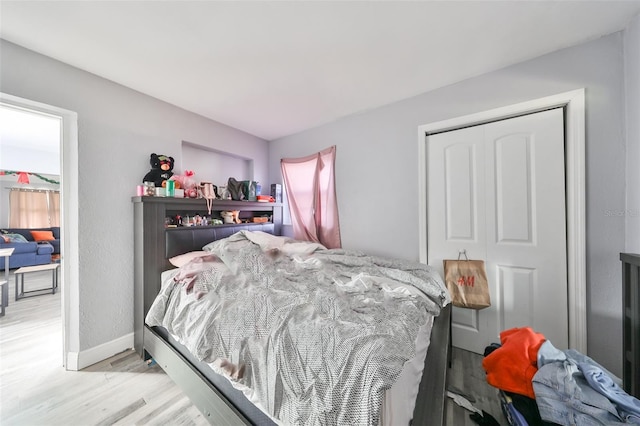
x: 124, y: 390
x: 467, y: 376
x: 36, y: 390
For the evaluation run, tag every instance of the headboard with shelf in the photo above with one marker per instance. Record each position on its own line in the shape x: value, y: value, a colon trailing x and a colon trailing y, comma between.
x: 154, y: 243
x: 631, y: 323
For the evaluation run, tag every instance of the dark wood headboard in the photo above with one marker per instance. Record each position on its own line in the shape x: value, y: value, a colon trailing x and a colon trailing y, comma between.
x: 631, y: 323
x: 154, y: 243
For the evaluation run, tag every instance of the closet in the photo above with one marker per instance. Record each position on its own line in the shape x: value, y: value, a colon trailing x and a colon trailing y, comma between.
x: 497, y: 191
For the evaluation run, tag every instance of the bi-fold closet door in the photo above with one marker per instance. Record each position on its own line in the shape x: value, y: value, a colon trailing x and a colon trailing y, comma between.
x: 497, y: 190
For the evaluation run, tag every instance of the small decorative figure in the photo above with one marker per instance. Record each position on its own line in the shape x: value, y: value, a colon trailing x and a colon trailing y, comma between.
x: 227, y: 216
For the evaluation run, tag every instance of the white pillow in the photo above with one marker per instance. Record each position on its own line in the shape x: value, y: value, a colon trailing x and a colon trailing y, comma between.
x: 183, y: 259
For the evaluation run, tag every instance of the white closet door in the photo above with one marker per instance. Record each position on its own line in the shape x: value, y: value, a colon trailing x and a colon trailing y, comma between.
x: 498, y: 191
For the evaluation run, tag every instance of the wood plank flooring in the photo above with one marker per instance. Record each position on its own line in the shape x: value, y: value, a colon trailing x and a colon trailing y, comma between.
x: 36, y: 390
x: 124, y: 390
x: 467, y: 376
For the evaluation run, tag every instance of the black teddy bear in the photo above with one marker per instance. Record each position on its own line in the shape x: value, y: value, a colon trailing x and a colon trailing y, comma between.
x: 161, y: 169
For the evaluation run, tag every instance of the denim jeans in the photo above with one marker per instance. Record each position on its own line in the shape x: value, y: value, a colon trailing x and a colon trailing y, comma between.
x: 602, y: 383
x: 565, y: 397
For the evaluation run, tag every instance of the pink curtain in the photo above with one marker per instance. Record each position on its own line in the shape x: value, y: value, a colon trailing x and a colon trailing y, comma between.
x: 310, y: 186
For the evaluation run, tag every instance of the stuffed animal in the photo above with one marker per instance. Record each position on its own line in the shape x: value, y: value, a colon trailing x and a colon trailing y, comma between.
x: 161, y: 169
x: 188, y: 183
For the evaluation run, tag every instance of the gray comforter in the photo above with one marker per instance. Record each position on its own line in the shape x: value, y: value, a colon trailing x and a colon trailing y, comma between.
x: 315, y: 336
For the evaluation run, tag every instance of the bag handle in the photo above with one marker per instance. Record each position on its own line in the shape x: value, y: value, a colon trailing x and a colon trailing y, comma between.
x: 463, y: 252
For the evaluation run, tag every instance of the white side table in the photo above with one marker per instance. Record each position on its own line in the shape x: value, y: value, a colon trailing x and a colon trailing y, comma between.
x: 6, y: 253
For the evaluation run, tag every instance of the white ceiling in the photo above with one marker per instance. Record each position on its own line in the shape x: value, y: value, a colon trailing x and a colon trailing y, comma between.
x: 273, y: 68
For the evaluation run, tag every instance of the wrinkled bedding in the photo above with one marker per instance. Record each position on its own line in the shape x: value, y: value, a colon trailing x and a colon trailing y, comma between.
x: 316, y: 336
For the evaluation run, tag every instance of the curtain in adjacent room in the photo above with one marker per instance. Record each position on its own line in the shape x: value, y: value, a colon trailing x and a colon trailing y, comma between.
x: 54, y: 208
x: 30, y: 208
x: 310, y: 187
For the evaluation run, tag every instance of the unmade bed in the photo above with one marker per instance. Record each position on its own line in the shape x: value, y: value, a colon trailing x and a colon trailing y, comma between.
x: 294, y: 333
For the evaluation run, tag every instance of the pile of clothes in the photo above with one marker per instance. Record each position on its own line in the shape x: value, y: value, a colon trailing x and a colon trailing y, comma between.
x: 542, y: 385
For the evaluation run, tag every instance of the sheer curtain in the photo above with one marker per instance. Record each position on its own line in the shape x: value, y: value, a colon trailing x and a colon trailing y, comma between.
x: 33, y: 208
x: 310, y: 186
x: 54, y: 208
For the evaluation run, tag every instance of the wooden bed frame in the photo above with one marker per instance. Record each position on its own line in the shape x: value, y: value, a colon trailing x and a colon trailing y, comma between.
x: 154, y: 244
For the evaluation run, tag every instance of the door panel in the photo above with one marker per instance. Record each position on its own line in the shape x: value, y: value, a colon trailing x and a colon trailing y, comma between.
x: 516, y: 288
x: 513, y: 189
x: 502, y: 188
x: 467, y: 319
x: 456, y: 178
x: 461, y: 211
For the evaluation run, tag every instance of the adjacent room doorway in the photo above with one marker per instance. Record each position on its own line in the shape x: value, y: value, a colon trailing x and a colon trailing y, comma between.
x: 69, y: 213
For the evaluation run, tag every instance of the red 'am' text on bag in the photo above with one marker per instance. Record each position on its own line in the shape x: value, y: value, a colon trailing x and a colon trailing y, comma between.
x: 466, y: 281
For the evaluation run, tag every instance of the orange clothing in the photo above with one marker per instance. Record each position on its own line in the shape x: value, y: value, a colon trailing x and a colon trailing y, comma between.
x: 512, y: 366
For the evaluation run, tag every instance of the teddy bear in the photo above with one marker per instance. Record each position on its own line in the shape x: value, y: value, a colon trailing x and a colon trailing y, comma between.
x: 161, y: 169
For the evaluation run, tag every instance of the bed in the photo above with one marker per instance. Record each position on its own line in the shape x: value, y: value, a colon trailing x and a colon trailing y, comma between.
x: 216, y: 396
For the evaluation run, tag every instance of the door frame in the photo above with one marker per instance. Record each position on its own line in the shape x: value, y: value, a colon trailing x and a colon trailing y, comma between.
x: 574, y: 104
x: 69, y: 215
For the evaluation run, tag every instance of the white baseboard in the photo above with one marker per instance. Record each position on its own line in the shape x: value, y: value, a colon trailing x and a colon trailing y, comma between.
x: 79, y: 360
x: 72, y: 361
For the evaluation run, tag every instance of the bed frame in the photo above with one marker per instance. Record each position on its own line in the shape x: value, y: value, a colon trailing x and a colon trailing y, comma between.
x: 631, y: 323
x: 219, y: 402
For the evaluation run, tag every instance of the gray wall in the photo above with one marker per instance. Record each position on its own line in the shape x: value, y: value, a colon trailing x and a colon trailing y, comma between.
x: 118, y: 129
x: 377, y: 160
x: 632, y: 71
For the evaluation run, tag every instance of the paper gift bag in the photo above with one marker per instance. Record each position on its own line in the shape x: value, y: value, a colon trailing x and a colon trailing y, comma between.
x: 467, y: 282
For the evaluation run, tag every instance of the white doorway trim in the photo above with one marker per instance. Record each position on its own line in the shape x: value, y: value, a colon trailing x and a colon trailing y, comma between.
x: 574, y: 104
x: 69, y: 215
